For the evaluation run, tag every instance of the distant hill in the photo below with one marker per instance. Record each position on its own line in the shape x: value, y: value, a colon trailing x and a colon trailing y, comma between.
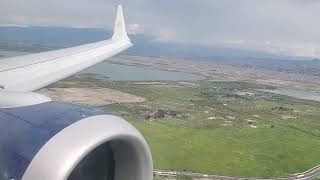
x: 52, y: 36
x: 316, y: 60
x: 58, y: 37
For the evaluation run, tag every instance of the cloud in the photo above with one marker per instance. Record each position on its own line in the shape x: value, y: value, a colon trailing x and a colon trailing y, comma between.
x: 283, y: 26
x: 134, y: 28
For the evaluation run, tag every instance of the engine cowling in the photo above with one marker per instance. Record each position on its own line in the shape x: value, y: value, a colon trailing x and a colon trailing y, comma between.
x: 61, y: 141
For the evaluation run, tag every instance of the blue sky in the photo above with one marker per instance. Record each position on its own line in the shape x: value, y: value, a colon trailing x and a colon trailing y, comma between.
x: 289, y: 27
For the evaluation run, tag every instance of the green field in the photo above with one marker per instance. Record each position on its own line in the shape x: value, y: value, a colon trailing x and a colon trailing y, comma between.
x: 226, y: 128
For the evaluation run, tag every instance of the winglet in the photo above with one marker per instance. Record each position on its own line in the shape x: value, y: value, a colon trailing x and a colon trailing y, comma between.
x: 120, y: 32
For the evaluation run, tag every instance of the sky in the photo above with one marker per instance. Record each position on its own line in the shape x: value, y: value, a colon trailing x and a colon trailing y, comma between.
x: 288, y: 27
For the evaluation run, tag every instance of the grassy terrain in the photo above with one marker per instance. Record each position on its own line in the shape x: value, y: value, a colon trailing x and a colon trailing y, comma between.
x: 226, y: 128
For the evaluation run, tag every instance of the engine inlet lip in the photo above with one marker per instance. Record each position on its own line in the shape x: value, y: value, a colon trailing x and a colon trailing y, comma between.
x: 60, y: 155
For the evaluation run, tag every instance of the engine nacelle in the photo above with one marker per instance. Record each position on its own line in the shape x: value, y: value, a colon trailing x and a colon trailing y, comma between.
x: 60, y: 141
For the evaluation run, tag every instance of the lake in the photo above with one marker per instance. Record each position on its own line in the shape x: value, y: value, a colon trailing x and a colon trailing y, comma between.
x: 119, y: 72
x: 299, y: 94
x: 11, y: 53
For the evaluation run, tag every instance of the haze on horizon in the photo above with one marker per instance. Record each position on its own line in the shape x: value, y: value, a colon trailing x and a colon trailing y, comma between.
x: 287, y: 27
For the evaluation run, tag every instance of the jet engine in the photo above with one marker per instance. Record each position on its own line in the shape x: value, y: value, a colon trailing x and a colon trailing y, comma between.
x: 62, y: 141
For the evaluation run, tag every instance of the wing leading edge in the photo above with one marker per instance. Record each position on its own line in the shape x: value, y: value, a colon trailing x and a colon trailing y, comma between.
x: 32, y: 72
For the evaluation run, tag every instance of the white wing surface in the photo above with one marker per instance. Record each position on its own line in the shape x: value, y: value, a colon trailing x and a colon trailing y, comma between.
x: 32, y: 72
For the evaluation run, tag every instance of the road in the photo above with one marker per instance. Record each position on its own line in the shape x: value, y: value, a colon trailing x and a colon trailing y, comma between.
x: 312, y: 173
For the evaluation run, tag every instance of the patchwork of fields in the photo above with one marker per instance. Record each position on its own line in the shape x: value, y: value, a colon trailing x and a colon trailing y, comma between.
x: 226, y: 128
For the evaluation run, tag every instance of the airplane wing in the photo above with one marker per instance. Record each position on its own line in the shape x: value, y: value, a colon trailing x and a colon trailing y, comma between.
x: 79, y: 142
x: 32, y: 72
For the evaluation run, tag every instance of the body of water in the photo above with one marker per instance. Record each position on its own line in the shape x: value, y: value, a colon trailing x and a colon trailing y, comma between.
x: 4, y: 54
x: 296, y: 94
x: 119, y: 72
